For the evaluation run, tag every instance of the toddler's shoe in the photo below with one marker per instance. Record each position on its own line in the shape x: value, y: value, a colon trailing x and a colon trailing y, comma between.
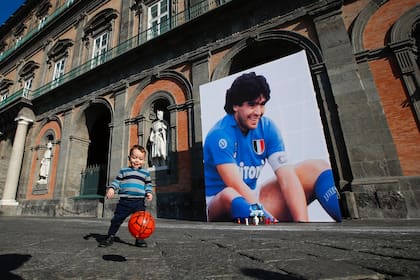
x: 107, y: 241
x: 141, y: 243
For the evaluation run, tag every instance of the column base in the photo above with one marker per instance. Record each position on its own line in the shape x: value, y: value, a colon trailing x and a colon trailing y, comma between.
x: 8, y: 207
x: 8, y: 202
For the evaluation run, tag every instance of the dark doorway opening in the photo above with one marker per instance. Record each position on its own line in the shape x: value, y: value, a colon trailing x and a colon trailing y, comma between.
x: 98, y: 119
x: 261, y: 52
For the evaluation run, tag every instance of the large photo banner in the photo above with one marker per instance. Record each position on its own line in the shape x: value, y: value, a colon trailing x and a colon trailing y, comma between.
x: 265, y: 154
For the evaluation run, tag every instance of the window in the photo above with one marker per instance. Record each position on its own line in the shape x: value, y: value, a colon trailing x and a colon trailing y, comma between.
x: 3, y: 95
x: 18, y: 40
x: 18, y: 34
x: 42, y: 12
x: 27, y: 74
x: 221, y: 2
x: 4, y: 89
x: 58, y: 55
x: 27, y: 87
x: 158, y: 18
x: 42, y: 22
x: 58, y: 71
x: 100, y: 46
x: 98, y: 33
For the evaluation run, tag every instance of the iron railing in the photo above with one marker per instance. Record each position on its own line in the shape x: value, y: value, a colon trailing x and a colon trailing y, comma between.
x: 93, y: 180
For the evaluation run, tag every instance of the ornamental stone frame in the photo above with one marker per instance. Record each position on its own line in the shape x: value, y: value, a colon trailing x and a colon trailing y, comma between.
x: 403, y: 45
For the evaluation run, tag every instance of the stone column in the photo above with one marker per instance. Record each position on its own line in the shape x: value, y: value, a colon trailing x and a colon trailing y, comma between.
x: 15, y: 164
x: 200, y: 76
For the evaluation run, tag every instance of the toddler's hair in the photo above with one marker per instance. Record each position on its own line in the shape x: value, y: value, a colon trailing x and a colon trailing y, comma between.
x: 137, y: 147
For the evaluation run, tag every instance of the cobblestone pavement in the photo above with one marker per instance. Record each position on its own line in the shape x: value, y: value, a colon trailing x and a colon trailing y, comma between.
x: 67, y: 248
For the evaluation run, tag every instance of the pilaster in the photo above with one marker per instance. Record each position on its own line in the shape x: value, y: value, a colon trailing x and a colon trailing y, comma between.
x: 367, y: 139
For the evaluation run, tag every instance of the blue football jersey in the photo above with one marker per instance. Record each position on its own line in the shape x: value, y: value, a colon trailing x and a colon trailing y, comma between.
x: 225, y: 143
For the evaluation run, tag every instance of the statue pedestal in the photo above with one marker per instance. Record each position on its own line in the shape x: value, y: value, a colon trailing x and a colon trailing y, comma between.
x: 158, y: 168
x: 41, y: 187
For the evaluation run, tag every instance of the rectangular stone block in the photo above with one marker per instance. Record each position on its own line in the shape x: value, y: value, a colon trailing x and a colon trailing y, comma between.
x: 393, y: 204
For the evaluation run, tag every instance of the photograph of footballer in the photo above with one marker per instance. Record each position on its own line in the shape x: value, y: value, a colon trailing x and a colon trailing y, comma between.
x: 237, y: 147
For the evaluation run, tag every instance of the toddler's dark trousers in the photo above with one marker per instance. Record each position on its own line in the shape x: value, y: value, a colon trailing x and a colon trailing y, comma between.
x: 125, y: 207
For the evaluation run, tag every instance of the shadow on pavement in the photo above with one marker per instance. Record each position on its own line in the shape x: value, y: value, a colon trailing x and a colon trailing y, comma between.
x: 100, y: 237
x: 9, y: 262
x: 114, y: 258
x: 265, y: 274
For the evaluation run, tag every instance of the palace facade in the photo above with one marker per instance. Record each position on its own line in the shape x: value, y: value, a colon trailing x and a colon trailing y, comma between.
x: 82, y: 81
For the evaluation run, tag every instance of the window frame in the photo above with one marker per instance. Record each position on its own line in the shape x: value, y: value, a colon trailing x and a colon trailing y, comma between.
x: 3, y: 96
x: 98, y: 52
x: 42, y: 22
x: 57, y: 74
x: 159, y: 23
x: 27, y: 85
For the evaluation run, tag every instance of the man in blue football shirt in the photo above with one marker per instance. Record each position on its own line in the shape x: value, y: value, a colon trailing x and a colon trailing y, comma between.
x: 235, y: 151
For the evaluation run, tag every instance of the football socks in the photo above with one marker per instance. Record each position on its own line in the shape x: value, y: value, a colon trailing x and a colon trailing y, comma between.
x: 240, y: 208
x: 327, y: 195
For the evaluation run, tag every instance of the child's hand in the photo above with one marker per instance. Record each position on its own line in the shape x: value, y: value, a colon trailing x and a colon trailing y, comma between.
x: 110, y: 193
x: 149, y: 196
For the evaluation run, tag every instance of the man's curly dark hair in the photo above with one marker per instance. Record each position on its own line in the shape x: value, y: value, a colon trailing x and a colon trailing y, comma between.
x: 246, y: 87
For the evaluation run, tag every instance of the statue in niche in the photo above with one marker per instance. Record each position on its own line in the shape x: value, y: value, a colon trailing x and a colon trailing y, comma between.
x: 44, y: 170
x: 158, y: 140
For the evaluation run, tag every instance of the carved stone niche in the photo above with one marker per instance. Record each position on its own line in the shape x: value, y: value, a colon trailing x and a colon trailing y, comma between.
x: 40, y: 188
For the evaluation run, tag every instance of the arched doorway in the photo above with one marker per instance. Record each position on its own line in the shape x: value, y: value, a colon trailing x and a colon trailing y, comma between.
x: 260, y: 52
x: 94, y: 177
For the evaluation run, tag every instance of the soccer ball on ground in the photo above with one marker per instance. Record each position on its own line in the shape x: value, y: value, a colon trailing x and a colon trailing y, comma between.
x: 141, y: 224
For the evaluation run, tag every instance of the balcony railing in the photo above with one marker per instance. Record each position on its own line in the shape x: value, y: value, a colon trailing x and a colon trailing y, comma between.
x: 20, y: 93
x: 177, y: 20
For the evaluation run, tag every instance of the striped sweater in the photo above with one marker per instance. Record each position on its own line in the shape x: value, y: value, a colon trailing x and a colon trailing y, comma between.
x: 132, y: 183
